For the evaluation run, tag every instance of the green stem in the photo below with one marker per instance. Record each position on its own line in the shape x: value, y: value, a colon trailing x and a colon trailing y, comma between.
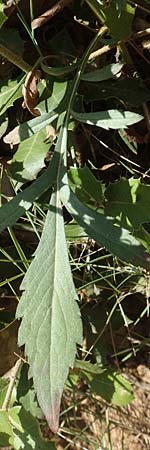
x: 84, y: 60
x: 14, y: 59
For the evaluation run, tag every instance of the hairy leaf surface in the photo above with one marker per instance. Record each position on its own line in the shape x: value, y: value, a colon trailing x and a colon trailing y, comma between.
x: 51, y: 324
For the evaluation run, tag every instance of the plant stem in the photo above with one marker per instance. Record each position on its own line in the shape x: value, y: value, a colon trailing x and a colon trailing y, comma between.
x: 14, y: 59
x: 15, y: 369
x: 84, y: 60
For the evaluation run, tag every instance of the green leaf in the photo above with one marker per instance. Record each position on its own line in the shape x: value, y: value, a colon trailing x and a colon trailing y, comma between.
x: 29, y: 158
x: 120, y: 25
x: 75, y: 233
x: 51, y: 324
x: 3, y: 389
x: 3, y: 17
x: 28, y: 129
x: 15, y: 208
x: 112, y: 118
x: 120, y: 5
x: 85, y: 185
x: 117, y: 240
x: 3, y: 124
x: 6, y: 430
x: 105, y: 73
x: 112, y: 387
x: 27, y: 433
x: 128, y: 200
x: 26, y: 395
x: 9, y: 92
x: 55, y: 104
x: 132, y: 91
x: 97, y: 8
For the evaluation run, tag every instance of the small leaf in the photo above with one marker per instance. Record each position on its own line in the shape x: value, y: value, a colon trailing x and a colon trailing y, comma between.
x: 6, y: 430
x: 105, y: 73
x: 120, y: 25
x: 26, y: 395
x: 112, y: 118
x: 112, y: 387
x: 29, y: 158
x: 86, y: 186
x: 27, y: 433
x: 129, y: 201
x: 3, y: 17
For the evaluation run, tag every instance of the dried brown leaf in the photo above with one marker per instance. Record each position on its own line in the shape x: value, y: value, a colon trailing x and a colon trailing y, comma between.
x: 30, y: 92
x: 41, y: 20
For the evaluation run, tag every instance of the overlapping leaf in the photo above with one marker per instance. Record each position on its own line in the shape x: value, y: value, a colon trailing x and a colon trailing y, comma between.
x: 117, y: 240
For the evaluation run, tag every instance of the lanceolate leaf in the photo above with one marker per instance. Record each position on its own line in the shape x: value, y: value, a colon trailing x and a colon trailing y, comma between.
x: 105, y: 73
x: 108, y: 119
x: 117, y: 240
x: 51, y: 324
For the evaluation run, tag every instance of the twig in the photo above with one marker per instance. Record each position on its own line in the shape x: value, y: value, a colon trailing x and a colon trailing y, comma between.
x: 6, y: 402
x: 14, y: 58
x: 41, y: 20
x: 101, y: 51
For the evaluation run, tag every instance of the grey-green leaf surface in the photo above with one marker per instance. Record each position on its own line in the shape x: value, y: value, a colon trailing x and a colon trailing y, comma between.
x: 29, y: 158
x: 112, y: 118
x: 15, y: 208
x: 117, y: 240
x: 105, y: 73
x: 51, y: 324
